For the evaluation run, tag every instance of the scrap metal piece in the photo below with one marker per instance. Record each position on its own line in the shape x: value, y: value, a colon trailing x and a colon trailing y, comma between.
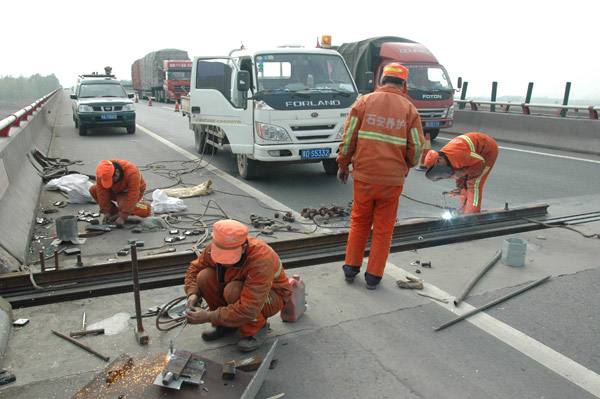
x: 229, y: 370
x: 259, y: 377
x: 141, y: 336
x: 492, y: 303
x: 118, y: 368
x: 83, y: 333
x: 81, y: 345
x: 183, y: 368
x: 476, y: 278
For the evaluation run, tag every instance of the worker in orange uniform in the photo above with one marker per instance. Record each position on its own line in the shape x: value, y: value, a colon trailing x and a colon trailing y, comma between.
x: 242, y: 280
x: 468, y: 158
x: 382, y: 139
x: 119, y: 190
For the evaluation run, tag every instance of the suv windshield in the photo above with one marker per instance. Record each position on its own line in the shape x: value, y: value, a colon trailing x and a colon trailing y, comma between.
x: 428, y: 78
x: 299, y: 72
x: 101, y: 90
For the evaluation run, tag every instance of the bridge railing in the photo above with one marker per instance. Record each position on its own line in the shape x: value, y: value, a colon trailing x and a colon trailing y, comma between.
x: 525, y: 108
x: 22, y: 115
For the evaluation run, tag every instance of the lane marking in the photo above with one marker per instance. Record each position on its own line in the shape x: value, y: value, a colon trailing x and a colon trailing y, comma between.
x: 259, y: 195
x: 537, y: 351
x: 540, y: 153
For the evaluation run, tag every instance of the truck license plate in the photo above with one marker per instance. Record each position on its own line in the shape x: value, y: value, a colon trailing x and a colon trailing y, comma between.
x: 108, y: 117
x: 315, y: 153
x: 433, y: 124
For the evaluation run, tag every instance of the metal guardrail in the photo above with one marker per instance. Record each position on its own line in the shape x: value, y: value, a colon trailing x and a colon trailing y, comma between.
x: 15, y: 120
x: 475, y: 105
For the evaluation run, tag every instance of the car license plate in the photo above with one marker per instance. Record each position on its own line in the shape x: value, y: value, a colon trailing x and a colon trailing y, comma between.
x: 315, y: 153
x: 108, y: 117
x: 433, y: 124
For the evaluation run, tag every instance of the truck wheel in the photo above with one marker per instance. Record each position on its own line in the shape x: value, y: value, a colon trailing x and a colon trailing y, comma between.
x: 247, y: 168
x: 82, y: 130
x: 330, y: 166
x: 433, y: 134
x: 131, y: 129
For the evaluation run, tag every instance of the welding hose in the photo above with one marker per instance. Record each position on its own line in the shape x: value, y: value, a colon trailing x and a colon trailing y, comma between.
x: 164, y: 322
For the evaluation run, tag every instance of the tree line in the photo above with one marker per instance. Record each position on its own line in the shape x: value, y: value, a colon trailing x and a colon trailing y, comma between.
x: 27, y: 88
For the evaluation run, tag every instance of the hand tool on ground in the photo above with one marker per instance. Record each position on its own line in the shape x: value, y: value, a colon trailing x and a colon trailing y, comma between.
x: 82, y: 346
x: 476, y: 278
x: 83, y: 333
x: 141, y: 336
x: 494, y: 302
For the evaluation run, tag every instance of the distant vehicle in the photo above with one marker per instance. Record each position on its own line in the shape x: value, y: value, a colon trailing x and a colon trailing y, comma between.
x: 163, y: 75
x: 429, y: 86
x: 101, y: 101
x: 281, y: 105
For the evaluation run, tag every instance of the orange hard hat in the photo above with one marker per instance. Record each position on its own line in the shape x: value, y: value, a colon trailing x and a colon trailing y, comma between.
x: 396, y: 70
x: 228, y: 238
x: 104, y: 173
x: 431, y: 158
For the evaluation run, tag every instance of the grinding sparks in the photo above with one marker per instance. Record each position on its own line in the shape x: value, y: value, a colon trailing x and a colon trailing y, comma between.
x: 447, y: 215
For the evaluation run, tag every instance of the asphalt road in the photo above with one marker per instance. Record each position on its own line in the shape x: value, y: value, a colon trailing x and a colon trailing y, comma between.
x: 519, y: 176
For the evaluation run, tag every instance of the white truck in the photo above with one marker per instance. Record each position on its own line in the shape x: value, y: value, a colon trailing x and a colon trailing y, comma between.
x: 280, y: 105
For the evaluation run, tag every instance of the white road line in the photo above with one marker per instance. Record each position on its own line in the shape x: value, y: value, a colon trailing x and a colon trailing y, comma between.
x: 544, y: 355
x: 540, y: 153
x: 259, y: 195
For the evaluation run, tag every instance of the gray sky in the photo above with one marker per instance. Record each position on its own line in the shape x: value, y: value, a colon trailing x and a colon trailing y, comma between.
x: 513, y: 42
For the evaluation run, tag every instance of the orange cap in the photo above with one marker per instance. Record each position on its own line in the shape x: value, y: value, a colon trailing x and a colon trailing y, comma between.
x: 228, y: 237
x: 396, y: 70
x: 104, y: 173
x: 431, y: 158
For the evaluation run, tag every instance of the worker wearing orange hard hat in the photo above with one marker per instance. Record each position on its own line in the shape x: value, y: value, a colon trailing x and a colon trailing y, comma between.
x: 242, y: 280
x: 469, y: 158
x: 382, y: 139
x: 119, y: 190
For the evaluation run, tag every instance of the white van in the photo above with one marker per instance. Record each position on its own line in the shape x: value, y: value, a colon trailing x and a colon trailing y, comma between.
x: 279, y: 105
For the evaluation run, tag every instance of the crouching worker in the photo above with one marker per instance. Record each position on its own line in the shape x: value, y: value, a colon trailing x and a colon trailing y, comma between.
x: 243, y: 282
x: 119, y: 190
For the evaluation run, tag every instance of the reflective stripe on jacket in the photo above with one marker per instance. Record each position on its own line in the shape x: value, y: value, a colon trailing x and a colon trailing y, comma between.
x: 383, y: 138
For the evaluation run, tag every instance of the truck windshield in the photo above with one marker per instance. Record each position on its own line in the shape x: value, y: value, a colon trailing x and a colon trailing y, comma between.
x: 101, y: 90
x: 179, y: 75
x: 299, y: 72
x: 428, y: 78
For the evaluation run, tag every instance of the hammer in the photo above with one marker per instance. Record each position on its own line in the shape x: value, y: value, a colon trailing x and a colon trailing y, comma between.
x: 141, y: 336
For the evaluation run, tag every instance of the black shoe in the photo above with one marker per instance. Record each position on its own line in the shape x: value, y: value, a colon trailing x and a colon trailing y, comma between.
x: 350, y: 272
x: 217, y: 332
x: 372, y: 281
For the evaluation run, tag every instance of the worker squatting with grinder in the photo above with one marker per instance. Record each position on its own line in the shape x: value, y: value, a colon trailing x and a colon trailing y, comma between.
x: 242, y: 280
x: 469, y: 158
x: 119, y: 190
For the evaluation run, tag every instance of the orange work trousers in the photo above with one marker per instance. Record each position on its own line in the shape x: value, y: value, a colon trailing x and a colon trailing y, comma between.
x: 141, y: 209
x: 217, y: 296
x: 375, y: 206
x: 471, y: 196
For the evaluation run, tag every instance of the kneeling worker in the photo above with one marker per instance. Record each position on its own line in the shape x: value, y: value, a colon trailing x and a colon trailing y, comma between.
x: 119, y: 190
x: 468, y: 158
x: 243, y: 282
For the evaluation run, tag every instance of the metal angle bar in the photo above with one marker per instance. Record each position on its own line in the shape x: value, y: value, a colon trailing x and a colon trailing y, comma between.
x: 492, y: 303
x: 477, y: 277
x: 259, y: 377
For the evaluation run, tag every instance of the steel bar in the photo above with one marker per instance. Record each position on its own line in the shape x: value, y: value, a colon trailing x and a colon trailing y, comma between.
x: 82, y: 346
x: 493, y: 303
x: 169, y: 270
x: 477, y: 277
x: 136, y: 288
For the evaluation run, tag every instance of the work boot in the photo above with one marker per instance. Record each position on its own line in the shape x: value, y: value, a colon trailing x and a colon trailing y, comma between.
x: 217, y: 332
x: 350, y: 272
x: 253, y: 342
x: 372, y: 281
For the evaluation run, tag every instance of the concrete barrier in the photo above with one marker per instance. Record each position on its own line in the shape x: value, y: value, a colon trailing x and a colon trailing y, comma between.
x: 578, y: 135
x: 19, y: 182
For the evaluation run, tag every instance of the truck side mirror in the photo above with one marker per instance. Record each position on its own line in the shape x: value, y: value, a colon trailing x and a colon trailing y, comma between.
x: 369, y: 82
x: 243, y: 81
x: 130, y: 95
x: 459, y: 83
x: 73, y: 96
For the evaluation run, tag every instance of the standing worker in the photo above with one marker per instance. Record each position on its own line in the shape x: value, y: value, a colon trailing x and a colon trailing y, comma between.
x: 243, y: 282
x: 383, y: 139
x: 119, y: 190
x: 468, y: 158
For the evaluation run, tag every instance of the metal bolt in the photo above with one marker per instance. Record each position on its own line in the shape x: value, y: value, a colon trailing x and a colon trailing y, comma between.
x: 79, y: 262
x: 55, y: 260
x: 42, y: 262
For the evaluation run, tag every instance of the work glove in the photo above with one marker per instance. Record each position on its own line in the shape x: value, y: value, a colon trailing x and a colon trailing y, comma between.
x: 197, y: 316
x: 193, y: 301
x: 342, y: 175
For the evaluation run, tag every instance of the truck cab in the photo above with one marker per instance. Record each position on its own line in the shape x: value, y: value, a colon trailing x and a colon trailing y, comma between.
x: 429, y: 86
x: 177, y: 79
x: 282, y: 105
